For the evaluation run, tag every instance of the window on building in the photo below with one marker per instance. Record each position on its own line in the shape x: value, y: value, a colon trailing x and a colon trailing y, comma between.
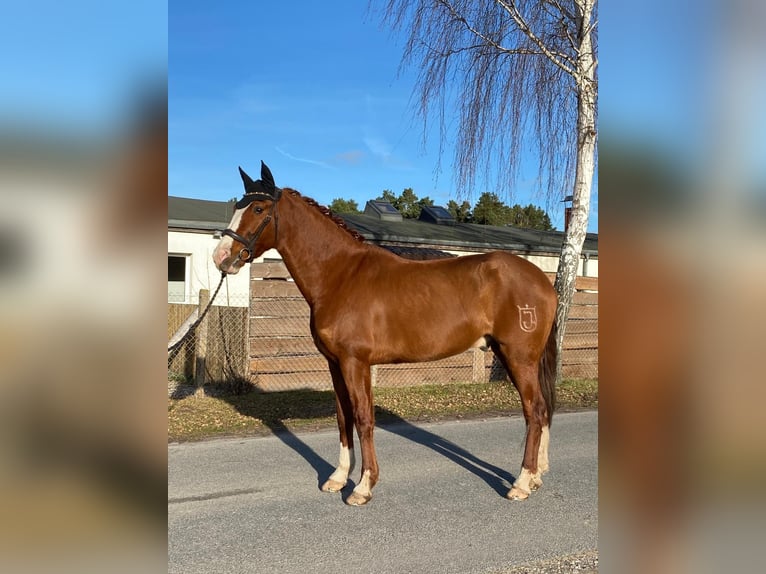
x: 177, y: 278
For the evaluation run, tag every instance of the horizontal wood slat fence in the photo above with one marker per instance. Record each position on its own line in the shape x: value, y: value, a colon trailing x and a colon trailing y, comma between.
x: 266, y: 341
x: 282, y: 355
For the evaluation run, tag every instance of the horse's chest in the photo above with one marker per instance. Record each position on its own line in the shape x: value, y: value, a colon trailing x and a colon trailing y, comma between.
x: 340, y: 329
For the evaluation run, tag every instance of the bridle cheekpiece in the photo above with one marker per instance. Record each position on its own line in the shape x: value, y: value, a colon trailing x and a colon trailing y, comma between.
x: 263, y: 189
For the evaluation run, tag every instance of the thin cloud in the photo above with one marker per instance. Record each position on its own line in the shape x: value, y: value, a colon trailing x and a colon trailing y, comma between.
x: 352, y: 157
x: 381, y: 149
x: 378, y: 147
x: 302, y: 159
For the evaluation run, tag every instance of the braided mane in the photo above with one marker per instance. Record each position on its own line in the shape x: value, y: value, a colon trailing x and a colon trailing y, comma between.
x: 326, y: 212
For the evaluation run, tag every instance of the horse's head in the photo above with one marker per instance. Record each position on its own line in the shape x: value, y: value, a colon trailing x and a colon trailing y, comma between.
x: 253, y: 228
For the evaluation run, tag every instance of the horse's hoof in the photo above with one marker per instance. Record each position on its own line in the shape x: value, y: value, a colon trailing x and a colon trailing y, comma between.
x: 517, y: 494
x: 535, y: 483
x: 357, y: 499
x: 333, y: 486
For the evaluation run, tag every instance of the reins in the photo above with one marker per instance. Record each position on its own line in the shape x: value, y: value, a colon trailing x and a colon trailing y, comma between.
x: 196, y: 323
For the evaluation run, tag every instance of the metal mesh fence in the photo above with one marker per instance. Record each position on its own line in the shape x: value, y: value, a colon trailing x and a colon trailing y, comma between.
x: 215, y: 352
x: 264, y: 342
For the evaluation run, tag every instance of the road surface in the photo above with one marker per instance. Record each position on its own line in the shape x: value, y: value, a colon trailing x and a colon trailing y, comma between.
x: 253, y: 505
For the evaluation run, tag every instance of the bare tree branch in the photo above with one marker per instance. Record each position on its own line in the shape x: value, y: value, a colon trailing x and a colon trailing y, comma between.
x: 499, y: 47
x: 456, y: 51
x: 563, y: 11
x: 513, y: 11
x: 492, y: 90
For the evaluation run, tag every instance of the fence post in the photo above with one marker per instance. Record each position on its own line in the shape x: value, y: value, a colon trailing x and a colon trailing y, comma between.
x: 200, y: 352
x: 477, y: 374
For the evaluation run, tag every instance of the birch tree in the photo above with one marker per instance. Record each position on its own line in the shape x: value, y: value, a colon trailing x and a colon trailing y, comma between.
x: 518, y: 75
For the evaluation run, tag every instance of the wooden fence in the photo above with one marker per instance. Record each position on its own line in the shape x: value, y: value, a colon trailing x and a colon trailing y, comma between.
x: 282, y: 355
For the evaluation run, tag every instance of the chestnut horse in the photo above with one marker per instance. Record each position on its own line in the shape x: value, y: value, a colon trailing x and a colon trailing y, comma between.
x: 369, y: 306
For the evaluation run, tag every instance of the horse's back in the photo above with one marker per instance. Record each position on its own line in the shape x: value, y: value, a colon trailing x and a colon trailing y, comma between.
x: 506, y: 276
x: 484, y: 283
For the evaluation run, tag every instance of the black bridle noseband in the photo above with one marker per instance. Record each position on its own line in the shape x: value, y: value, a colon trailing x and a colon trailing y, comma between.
x: 260, y: 190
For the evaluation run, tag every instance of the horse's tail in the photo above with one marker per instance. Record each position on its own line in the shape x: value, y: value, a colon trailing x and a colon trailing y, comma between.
x: 546, y: 373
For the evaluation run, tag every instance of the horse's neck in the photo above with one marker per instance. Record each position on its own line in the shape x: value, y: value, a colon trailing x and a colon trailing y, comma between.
x: 315, y: 250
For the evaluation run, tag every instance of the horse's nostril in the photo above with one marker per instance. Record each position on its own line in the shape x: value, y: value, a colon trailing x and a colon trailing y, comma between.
x: 220, y: 255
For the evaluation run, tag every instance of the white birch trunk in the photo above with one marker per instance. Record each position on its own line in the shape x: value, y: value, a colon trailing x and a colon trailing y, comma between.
x: 574, y: 237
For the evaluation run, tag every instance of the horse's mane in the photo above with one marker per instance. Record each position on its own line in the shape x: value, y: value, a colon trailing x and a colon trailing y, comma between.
x: 327, y: 213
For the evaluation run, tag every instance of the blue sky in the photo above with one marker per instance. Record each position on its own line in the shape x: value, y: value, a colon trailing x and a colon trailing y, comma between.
x: 78, y: 66
x: 313, y: 89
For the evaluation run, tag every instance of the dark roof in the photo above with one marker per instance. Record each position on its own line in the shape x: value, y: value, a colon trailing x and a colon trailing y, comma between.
x: 470, y: 235
x: 418, y: 253
x: 199, y: 214
x: 184, y: 213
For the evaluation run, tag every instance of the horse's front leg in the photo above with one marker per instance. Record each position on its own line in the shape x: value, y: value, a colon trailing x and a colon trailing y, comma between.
x: 357, y: 376
x: 345, y: 414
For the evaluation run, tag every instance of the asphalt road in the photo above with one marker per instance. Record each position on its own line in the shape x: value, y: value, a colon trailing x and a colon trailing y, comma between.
x: 254, y: 504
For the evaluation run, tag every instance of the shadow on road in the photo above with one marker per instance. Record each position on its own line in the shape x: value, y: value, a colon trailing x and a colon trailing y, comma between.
x: 497, y: 478
x: 275, y: 419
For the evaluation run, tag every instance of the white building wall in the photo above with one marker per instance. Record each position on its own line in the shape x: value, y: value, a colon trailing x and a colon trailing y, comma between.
x: 201, y: 273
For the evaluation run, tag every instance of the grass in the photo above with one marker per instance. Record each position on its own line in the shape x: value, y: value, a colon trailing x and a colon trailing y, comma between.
x: 198, y: 418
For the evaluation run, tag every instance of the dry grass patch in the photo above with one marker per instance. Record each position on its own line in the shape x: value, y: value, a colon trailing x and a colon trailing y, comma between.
x: 196, y: 418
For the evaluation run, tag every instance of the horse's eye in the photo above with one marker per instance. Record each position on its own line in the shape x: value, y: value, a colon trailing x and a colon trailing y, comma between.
x: 258, y: 209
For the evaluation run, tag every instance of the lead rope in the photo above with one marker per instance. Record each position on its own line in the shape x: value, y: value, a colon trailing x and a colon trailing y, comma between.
x: 196, y: 323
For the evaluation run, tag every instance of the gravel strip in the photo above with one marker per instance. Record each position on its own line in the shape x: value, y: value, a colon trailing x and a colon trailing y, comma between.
x: 583, y: 563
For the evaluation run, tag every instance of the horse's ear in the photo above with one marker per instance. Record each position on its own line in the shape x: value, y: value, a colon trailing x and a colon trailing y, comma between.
x: 266, y: 176
x: 245, y: 179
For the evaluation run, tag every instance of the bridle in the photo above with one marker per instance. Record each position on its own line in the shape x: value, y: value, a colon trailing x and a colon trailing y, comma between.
x: 246, y: 254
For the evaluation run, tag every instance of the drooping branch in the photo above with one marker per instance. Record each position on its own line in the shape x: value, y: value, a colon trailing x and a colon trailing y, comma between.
x: 555, y: 57
x: 508, y: 82
x: 510, y: 7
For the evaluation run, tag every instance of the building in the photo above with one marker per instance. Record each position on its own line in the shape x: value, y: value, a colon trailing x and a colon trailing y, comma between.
x: 270, y: 344
x: 193, y: 225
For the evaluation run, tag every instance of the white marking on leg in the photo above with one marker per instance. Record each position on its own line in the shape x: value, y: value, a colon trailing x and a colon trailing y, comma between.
x: 524, y: 481
x: 364, y: 487
x: 345, y: 465
x: 524, y: 485
x: 542, y: 454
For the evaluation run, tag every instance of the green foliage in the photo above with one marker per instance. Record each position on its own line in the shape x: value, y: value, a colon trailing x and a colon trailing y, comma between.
x: 340, y: 205
x: 462, y: 213
x: 407, y: 203
x: 531, y: 217
x: 388, y: 196
x: 490, y: 210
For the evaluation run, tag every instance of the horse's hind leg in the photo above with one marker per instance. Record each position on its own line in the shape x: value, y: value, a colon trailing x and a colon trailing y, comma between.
x: 523, y: 370
x: 345, y: 414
